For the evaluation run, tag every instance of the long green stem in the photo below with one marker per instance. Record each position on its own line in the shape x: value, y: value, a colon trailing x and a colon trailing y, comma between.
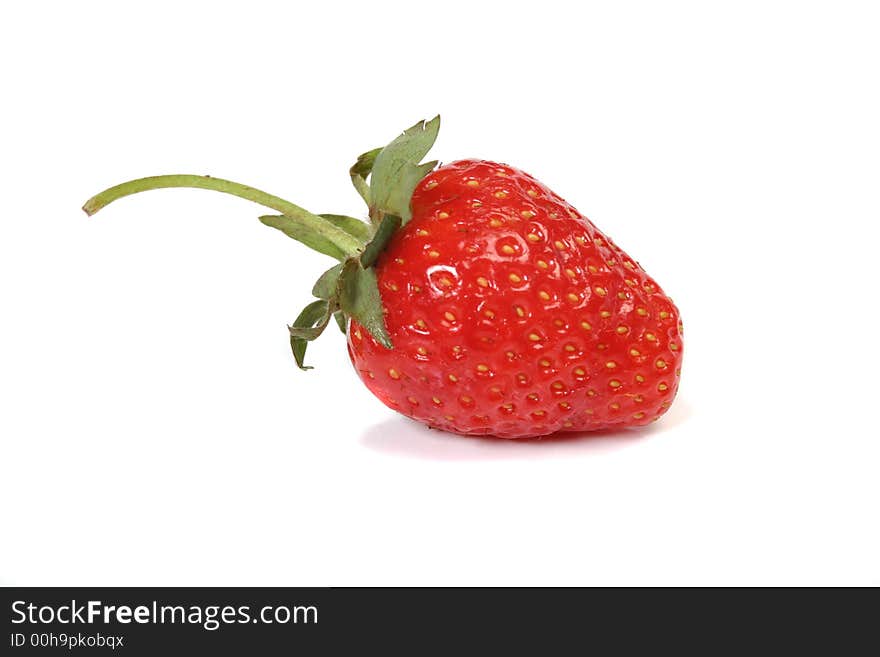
x: 184, y: 180
x: 343, y: 240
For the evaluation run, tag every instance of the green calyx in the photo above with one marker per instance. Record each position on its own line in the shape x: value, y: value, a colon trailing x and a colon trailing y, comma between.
x: 384, y: 177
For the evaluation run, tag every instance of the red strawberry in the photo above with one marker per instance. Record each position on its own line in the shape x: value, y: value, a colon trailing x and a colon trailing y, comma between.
x: 495, y: 309
x: 512, y: 315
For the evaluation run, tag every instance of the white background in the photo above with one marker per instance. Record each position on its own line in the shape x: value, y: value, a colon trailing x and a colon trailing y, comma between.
x: 154, y: 429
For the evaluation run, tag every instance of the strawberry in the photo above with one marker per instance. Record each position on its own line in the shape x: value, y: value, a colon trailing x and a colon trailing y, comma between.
x: 476, y: 300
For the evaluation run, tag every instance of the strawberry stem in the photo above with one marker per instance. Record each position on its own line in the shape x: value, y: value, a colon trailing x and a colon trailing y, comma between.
x: 341, y: 238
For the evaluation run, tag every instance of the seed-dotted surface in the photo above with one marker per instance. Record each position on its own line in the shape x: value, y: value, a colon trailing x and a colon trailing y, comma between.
x: 512, y: 315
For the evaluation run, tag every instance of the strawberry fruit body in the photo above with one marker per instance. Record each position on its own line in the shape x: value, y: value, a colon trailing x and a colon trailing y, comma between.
x: 512, y: 315
x: 476, y: 300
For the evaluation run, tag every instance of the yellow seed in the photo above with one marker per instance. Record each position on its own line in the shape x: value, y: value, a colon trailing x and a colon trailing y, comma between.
x: 628, y: 265
x: 533, y: 237
x: 542, y: 265
x: 664, y: 314
x: 591, y: 393
x: 472, y: 183
x: 621, y: 295
x: 544, y: 296
x: 453, y: 378
x: 564, y: 405
x: 629, y: 282
x: 450, y: 418
x: 558, y: 385
x: 522, y: 378
x: 399, y: 261
x: 456, y: 350
x: 432, y: 184
x: 445, y: 282
x: 605, y: 313
x: 586, y: 326
x: 673, y: 346
x: 650, y: 337
x: 678, y: 372
x: 544, y: 362
x: 639, y: 415
x: 661, y: 364
x: 534, y: 337
x: 527, y: 214
x: 507, y: 407
x: 519, y: 311
x: 662, y: 387
x: 615, y: 406
x: 567, y: 424
x: 539, y: 414
x: 593, y: 269
x: 634, y: 352
x: 500, y: 194
x: 570, y: 348
x: 433, y: 254
x: 622, y: 329
x: 610, y: 364
x: 464, y: 399
x: 533, y: 397
x: 640, y: 378
x: 508, y: 250
x: 482, y: 368
x: 614, y: 383
x: 571, y: 296
x: 495, y: 223
x: 515, y: 278
x: 436, y: 400
x: 580, y: 239
x: 579, y: 371
x: 611, y: 263
x: 416, y: 288
x: 421, y: 232
x: 489, y: 314
x: 570, y: 273
x: 532, y: 193
x: 449, y: 316
x: 357, y: 334
x: 413, y: 401
x: 641, y: 312
x: 510, y: 354
x: 482, y: 282
x: 600, y: 291
x: 559, y: 245
x: 393, y: 373
x: 601, y: 346
x: 422, y: 351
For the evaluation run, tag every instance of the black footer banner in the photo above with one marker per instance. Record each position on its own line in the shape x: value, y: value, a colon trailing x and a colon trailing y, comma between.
x: 269, y: 621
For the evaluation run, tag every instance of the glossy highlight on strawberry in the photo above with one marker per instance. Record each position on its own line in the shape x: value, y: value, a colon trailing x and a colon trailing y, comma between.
x: 475, y: 300
x: 513, y: 315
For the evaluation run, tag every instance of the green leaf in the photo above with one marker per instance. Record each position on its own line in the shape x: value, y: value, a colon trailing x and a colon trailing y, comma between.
x: 360, y: 170
x: 325, y: 286
x: 316, y: 233
x: 359, y: 298
x: 305, y: 328
x: 396, y: 170
x: 399, y: 199
x: 341, y: 320
x: 388, y: 225
x: 360, y: 230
